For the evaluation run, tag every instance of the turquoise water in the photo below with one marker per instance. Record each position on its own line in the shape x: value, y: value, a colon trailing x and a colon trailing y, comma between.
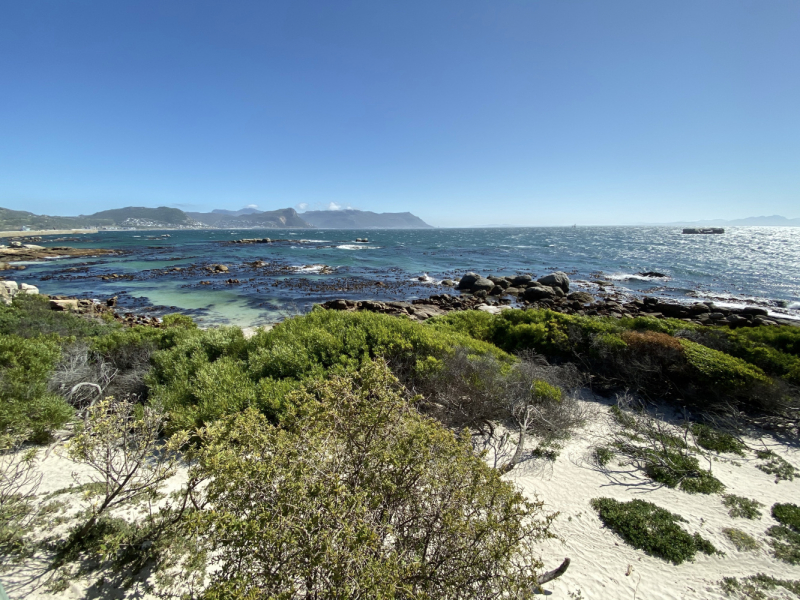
x: 745, y: 265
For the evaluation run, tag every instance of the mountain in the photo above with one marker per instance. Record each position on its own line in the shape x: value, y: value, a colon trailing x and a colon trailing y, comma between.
x: 235, y: 213
x: 284, y: 217
x: 161, y: 217
x: 772, y: 221
x: 363, y: 219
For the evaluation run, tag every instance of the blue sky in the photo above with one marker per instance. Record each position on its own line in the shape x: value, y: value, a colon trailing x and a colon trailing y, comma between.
x: 464, y: 113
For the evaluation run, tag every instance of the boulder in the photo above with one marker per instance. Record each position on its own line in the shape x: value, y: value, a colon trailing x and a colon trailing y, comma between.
x: 467, y: 281
x: 63, y: 305
x: 582, y: 297
x: 754, y: 310
x: 521, y: 281
x: 513, y: 291
x: 558, y: 279
x: 500, y: 282
x: 539, y: 293
x: 482, y: 283
x: 26, y: 288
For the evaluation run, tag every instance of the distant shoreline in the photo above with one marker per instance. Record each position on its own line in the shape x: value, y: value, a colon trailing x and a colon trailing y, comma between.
x: 5, y: 234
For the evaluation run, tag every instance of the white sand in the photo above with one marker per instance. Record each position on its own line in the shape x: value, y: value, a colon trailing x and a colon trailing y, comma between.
x: 600, y: 559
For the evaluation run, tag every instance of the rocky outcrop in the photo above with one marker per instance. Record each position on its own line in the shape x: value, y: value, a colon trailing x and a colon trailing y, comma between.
x: 10, y: 289
x: 31, y: 252
x: 558, y: 279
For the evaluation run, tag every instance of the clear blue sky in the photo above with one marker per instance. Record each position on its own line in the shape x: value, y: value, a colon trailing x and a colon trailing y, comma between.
x: 464, y: 113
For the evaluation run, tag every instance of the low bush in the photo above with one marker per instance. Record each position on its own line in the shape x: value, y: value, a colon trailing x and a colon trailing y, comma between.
x: 776, y: 465
x: 30, y: 316
x: 603, y: 455
x: 753, y: 587
x: 651, y: 528
x: 740, y: 539
x: 356, y: 495
x: 741, y: 507
x: 716, y: 440
x: 787, y: 514
x: 28, y: 409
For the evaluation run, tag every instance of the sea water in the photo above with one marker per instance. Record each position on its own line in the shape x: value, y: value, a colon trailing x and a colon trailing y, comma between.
x: 759, y: 265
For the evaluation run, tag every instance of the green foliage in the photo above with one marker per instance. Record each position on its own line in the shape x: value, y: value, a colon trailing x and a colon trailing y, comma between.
x: 30, y: 316
x: 785, y: 544
x: 740, y: 539
x: 357, y: 495
x: 716, y: 440
x: 722, y: 370
x: 776, y: 465
x: 207, y: 374
x: 543, y: 391
x: 179, y: 320
x: 741, y: 507
x: 787, y: 514
x: 648, y: 527
x: 680, y: 469
x: 602, y: 455
x: 753, y: 587
x: 27, y: 409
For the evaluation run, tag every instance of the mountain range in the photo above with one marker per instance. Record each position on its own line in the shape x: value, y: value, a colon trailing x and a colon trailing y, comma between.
x: 246, y: 218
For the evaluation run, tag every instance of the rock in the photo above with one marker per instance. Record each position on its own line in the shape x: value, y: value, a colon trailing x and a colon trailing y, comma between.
x: 651, y: 274
x: 15, y: 244
x: 582, y: 297
x: 448, y: 282
x: 481, y: 294
x: 467, y: 281
x: 558, y: 279
x: 500, y: 282
x: 513, y: 291
x: 539, y: 293
x: 63, y: 305
x: 26, y: 288
x: 754, y: 310
x: 112, y: 302
x: 482, y: 283
x: 521, y: 281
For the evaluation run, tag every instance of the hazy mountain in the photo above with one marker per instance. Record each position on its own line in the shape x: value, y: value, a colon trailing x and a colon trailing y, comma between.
x: 773, y: 221
x: 363, y: 219
x: 120, y: 217
x: 236, y: 213
x: 284, y: 217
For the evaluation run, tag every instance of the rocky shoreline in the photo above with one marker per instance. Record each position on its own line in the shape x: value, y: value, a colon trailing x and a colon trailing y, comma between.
x: 494, y: 294
x: 19, y: 252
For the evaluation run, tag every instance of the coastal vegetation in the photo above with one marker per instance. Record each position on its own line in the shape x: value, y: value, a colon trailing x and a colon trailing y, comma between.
x: 306, y: 441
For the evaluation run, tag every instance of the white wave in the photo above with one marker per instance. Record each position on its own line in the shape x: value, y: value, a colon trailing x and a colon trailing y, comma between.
x: 633, y: 277
x: 311, y: 268
x: 794, y: 305
x: 357, y: 247
x: 425, y: 278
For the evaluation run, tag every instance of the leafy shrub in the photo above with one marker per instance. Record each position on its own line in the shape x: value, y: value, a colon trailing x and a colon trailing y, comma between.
x: 27, y: 409
x: 716, y: 440
x: 776, y: 465
x: 602, y: 455
x: 651, y: 528
x: 720, y: 369
x: 787, y: 514
x: 785, y: 544
x: 678, y: 469
x: 752, y: 588
x: 357, y: 495
x: 30, y: 316
x: 740, y: 539
x: 207, y: 374
x: 739, y: 506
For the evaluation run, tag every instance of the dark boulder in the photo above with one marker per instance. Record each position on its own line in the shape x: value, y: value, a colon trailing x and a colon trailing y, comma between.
x: 533, y: 294
x: 467, y: 281
x: 558, y: 279
x: 521, y: 281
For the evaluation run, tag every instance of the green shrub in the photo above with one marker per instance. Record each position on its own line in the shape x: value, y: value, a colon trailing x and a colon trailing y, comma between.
x: 602, y: 455
x: 30, y: 316
x: 739, y: 506
x: 27, y: 409
x: 648, y: 527
x: 740, y: 539
x: 788, y: 515
x: 752, y: 588
x: 680, y: 469
x: 785, y: 544
x: 357, y: 495
x: 715, y: 440
x: 721, y: 370
x: 776, y: 465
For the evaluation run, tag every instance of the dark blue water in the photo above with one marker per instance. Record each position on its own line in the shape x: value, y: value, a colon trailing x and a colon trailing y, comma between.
x: 745, y: 265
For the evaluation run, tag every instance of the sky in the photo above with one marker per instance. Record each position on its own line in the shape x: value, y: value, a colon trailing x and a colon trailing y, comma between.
x: 464, y: 113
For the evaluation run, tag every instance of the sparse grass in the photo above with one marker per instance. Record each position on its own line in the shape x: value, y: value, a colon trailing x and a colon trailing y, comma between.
x: 776, y: 465
x: 743, y: 541
x: 741, y: 507
x: 786, y: 536
x: 651, y: 528
x: 754, y: 587
x: 716, y: 440
x: 603, y: 455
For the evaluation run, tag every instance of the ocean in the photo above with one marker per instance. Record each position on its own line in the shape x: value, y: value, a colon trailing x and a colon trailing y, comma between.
x: 156, y: 274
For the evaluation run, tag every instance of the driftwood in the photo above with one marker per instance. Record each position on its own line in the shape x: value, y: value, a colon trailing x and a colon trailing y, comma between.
x: 550, y: 575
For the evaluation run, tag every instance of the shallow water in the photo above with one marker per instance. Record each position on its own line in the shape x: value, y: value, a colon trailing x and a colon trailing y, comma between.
x: 746, y: 264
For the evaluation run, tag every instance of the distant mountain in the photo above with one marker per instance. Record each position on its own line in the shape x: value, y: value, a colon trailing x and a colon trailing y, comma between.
x: 236, y: 213
x: 122, y: 217
x: 284, y: 217
x: 363, y: 219
x: 773, y: 221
